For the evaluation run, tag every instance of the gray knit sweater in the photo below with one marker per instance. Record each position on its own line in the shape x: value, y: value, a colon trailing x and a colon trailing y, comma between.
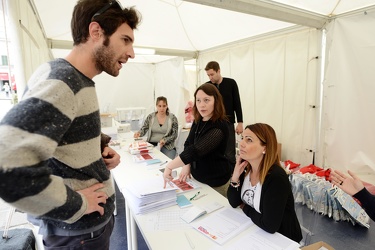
x: 172, y: 130
x: 50, y: 148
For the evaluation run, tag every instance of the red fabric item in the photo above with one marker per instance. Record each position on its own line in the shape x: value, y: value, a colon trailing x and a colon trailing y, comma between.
x: 324, y: 173
x: 189, y: 116
x: 310, y: 169
x: 291, y: 164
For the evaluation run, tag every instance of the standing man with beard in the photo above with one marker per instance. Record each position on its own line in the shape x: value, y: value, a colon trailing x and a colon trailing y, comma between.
x: 51, y: 163
x: 232, y: 102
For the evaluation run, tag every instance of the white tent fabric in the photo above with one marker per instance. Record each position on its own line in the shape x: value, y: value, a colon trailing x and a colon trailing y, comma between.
x: 348, y: 127
x: 187, y: 26
x: 169, y: 24
x: 139, y: 86
x: 277, y: 82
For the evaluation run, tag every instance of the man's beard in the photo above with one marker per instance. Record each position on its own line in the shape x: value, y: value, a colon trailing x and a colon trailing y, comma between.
x: 104, y: 59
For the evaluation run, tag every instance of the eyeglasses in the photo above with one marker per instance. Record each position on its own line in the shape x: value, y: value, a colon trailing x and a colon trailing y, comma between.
x: 106, y: 7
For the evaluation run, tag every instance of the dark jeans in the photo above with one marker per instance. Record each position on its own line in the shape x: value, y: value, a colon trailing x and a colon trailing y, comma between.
x: 170, y: 153
x: 96, y: 240
x: 230, y: 152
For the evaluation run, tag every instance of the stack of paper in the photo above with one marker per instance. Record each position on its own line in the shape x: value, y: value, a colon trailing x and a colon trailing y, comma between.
x: 143, y: 157
x: 149, y: 195
x: 139, y: 147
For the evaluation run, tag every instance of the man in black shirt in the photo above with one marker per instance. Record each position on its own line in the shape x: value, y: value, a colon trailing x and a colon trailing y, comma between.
x: 231, y: 97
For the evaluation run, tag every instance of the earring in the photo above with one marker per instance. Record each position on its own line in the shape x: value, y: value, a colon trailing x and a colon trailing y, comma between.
x: 264, y: 152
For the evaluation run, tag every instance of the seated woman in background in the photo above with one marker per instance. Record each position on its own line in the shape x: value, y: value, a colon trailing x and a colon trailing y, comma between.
x: 204, y: 149
x: 162, y: 127
x: 260, y: 186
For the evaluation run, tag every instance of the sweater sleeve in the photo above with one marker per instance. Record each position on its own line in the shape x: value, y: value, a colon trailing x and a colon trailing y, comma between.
x: 171, y: 136
x: 146, y: 125
x: 234, y: 194
x: 368, y: 202
x: 29, y: 136
x: 104, y: 140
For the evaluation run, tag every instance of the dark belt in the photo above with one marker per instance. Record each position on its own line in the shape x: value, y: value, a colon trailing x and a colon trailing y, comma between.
x: 96, y: 233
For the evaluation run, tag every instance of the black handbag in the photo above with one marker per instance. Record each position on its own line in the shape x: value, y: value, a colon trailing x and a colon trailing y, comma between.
x: 18, y: 238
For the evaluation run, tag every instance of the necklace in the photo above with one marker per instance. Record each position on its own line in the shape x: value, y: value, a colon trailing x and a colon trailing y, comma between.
x: 197, y: 131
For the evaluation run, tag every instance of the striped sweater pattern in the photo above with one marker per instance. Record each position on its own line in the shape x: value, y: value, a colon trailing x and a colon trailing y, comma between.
x: 50, y: 148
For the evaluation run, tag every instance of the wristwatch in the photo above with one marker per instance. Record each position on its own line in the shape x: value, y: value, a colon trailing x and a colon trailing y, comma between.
x: 235, y: 184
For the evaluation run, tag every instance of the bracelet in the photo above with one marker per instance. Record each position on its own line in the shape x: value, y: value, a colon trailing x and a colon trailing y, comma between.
x: 235, y: 184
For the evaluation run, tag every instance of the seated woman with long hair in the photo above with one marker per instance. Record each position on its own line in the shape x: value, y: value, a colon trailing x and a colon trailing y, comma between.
x: 162, y: 128
x: 260, y: 186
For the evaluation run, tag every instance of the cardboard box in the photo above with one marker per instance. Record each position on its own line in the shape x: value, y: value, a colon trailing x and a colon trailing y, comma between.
x: 106, y: 120
x: 321, y: 245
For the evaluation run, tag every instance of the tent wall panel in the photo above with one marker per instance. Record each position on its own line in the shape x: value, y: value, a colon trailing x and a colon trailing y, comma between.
x: 171, y: 82
x: 26, y: 36
x: 133, y: 87
x: 300, y: 94
x: 349, y: 88
x: 139, y: 84
x: 245, y: 74
x: 278, y: 81
x: 269, y: 75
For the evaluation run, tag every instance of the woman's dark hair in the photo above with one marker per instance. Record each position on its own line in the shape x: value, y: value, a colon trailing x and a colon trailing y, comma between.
x: 164, y: 99
x: 219, y: 110
x: 109, y: 20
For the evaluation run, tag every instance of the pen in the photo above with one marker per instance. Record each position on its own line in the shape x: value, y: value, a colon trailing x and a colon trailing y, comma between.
x: 192, y: 198
x: 163, y: 163
x: 200, y: 196
x: 190, y: 242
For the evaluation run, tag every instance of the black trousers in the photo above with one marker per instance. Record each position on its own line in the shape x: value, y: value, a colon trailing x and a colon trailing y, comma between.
x: 98, y: 239
x: 230, y: 151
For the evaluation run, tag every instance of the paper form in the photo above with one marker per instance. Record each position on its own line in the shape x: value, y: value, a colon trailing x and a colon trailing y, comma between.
x: 261, y: 240
x: 222, y: 225
x: 167, y: 221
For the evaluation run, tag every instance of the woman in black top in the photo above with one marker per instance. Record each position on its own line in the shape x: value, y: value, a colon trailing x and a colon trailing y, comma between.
x: 204, y: 152
x: 260, y: 186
